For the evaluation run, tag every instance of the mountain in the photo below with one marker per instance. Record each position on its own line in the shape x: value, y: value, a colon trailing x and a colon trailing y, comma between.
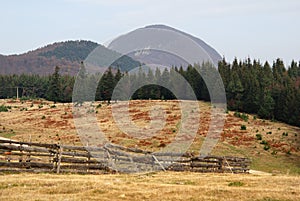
x: 165, y: 46
x: 67, y: 55
x: 215, y: 56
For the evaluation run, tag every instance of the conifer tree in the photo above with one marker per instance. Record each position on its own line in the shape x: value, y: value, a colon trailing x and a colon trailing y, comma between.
x: 54, y: 89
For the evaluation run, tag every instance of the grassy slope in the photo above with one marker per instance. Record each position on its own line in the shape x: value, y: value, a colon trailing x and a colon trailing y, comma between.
x: 39, y: 122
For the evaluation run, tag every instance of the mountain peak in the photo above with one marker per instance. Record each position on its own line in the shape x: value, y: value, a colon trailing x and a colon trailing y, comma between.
x: 149, y: 37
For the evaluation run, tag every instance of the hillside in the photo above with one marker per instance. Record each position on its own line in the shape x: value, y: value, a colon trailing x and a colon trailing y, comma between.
x: 67, y: 55
x: 42, y: 61
x: 272, y: 146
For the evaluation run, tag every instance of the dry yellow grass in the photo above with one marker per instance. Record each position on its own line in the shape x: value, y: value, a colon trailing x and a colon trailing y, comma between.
x: 37, y: 121
x: 151, y: 186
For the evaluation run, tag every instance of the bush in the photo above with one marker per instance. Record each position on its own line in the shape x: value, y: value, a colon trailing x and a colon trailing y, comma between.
x: 266, y: 147
x: 90, y: 111
x: 25, y: 98
x: 269, y: 133
x: 258, y: 136
x: 22, y: 109
x: 243, y: 127
x: 53, y: 106
x: 242, y: 116
x: 43, y: 117
x: 285, y: 134
x: 264, y: 142
x: 4, y: 108
x: 236, y: 183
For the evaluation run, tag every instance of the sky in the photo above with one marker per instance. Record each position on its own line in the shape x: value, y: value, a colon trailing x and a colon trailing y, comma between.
x: 260, y: 29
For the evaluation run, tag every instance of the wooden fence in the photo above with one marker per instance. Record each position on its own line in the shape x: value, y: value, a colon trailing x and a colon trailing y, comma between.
x: 37, y: 157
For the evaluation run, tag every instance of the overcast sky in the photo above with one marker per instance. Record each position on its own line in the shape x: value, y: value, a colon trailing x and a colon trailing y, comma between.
x: 262, y: 29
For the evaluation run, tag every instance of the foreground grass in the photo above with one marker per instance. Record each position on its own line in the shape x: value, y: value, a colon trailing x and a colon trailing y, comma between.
x: 151, y: 186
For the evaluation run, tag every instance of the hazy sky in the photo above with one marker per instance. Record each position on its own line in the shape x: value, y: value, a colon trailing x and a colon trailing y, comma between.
x: 263, y: 29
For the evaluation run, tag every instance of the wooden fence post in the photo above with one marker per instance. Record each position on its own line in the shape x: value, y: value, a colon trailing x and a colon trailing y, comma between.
x: 59, y: 160
x: 28, y: 160
x: 221, y: 164
x: 228, y: 165
x: 162, y: 167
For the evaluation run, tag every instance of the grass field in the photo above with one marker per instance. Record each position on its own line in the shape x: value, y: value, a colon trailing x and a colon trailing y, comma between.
x: 273, y: 148
x: 151, y: 186
x: 277, y: 151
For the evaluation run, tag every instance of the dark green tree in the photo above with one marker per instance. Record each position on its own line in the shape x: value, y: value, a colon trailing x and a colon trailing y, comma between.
x: 54, y: 89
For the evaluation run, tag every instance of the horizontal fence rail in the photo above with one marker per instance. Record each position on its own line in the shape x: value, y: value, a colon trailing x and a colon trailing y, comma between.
x: 37, y: 157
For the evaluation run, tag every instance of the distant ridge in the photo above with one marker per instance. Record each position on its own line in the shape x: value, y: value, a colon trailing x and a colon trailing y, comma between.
x: 67, y: 55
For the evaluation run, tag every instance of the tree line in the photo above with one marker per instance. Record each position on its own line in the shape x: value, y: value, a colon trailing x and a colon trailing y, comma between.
x: 270, y: 91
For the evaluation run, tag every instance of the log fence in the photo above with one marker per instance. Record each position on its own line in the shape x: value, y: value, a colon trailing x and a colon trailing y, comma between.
x: 40, y: 157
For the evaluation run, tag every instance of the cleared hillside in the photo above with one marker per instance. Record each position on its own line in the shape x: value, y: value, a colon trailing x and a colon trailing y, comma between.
x: 272, y: 146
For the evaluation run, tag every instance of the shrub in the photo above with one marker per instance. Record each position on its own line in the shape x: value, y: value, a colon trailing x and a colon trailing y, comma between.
x: 25, y: 98
x: 43, y: 117
x: 23, y: 108
x: 99, y: 105
x: 258, y: 136
x: 285, y: 134
x: 266, y: 147
x: 243, y: 127
x: 90, y: 111
x: 242, y: 116
x: 269, y: 133
x: 264, y: 142
x: 53, y: 106
x: 3, y: 108
x: 236, y: 183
